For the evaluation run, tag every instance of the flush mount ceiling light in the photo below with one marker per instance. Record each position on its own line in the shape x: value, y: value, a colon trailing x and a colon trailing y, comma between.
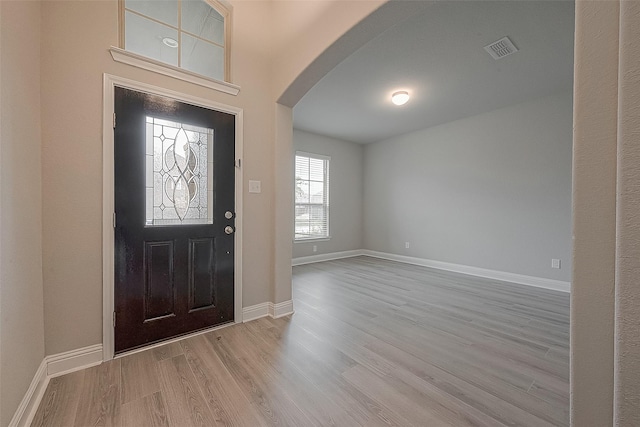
x: 170, y: 42
x: 400, y: 98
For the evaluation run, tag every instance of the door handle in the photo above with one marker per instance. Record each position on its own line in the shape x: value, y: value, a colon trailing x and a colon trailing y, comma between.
x: 228, y: 229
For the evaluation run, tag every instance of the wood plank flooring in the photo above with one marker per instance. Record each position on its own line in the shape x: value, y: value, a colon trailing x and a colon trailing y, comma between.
x: 372, y: 343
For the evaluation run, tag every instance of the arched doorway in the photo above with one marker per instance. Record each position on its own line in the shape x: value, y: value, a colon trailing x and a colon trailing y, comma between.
x: 594, y: 190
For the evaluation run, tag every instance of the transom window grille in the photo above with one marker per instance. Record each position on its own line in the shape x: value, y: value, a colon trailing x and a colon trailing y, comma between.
x: 189, y: 34
x: 311, y: 196
x: 179, y: 173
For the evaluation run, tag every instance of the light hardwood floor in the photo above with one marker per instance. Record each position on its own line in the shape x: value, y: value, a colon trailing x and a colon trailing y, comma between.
x: 371, y: 343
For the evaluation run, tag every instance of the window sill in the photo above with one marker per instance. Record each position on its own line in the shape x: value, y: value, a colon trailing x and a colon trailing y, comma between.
x: 121, y: 55
x: 313, y: 239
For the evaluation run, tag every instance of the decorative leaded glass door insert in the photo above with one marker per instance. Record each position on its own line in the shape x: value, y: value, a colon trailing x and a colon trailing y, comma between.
x: 179, y: 173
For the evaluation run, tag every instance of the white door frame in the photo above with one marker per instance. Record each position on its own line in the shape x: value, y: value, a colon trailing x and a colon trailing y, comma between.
x: 108, y: 235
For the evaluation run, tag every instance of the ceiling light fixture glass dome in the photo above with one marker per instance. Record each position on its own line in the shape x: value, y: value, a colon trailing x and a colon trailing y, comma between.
x: 170, y: 42
x: 400, y: 97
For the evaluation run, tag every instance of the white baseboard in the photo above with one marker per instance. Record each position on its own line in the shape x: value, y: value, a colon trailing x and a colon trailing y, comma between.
x: 53, y: 366
x: 539, y: 282
x: 255, y: 311
x: 74, y: 360
x: 267, y: 309
x: 31, y: 400
x: 326, y: 257
x: 281, y: 309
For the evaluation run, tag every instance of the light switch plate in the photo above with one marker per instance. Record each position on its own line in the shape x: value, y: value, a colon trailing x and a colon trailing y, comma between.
x: 254, y: 186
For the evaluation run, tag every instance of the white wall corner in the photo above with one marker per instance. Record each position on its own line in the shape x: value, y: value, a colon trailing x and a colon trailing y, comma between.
x: 31, y: 400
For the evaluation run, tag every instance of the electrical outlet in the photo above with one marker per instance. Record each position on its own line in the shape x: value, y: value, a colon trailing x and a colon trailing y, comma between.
x: 406, y: 245
x: 315, y: 248
x: 555, y: 263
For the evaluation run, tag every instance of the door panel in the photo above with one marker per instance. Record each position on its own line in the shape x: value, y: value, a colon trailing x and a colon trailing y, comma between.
x: 174, y: 181
x: 201, y: 273
x: 159, y: 290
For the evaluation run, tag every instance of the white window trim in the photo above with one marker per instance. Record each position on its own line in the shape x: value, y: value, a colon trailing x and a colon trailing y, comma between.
x: 130, y: 58
x: 320, y: 238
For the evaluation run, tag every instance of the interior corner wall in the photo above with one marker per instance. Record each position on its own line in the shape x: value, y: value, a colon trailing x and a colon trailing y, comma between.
x: 21, y: 293
x: 490, y: 191
x: 345, y: 193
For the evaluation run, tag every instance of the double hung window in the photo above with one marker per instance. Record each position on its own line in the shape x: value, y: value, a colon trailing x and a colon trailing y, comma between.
x: 311, y: 196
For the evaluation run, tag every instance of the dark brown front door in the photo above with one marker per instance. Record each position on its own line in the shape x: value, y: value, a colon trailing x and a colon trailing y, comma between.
x: 174, y: 224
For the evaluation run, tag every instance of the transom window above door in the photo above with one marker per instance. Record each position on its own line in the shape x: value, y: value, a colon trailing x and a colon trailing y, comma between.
x: 188, y: 34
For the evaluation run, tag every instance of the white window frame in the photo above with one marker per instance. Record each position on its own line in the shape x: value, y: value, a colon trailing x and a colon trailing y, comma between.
x: 326, y: 202
x: 119, y: 54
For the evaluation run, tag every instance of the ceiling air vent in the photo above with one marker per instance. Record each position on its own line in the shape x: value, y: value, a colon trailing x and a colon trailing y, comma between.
x: 501, y: 48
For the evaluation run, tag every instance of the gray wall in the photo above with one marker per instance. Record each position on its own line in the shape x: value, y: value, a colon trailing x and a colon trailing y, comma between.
x: 345, y: 193
x: 490, y: 191
x: 21, y: 293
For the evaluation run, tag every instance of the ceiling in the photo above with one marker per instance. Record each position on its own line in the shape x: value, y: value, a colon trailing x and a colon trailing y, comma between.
x: 438, y: 57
